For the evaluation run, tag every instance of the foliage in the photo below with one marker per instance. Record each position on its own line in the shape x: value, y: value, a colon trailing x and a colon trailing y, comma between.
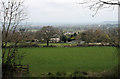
x: 63, y: 38
x: 99, y: 36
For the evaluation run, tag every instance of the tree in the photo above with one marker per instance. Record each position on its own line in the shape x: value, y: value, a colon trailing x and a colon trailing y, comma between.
x: 46, y: 33
x: 114, y: 35
x: 75, y: 34
x: 63, y: 38
x: 96, y: 5
x: 83, y: 36
x: 11, y: 15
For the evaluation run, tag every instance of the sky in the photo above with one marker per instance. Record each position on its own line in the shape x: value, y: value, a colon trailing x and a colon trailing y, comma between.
x: 66, y: 11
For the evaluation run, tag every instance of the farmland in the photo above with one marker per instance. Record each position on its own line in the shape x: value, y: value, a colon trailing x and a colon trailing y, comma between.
x: 89, y: 59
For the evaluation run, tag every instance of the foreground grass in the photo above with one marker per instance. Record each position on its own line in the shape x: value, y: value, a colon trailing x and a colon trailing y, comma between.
x: 89, y: 59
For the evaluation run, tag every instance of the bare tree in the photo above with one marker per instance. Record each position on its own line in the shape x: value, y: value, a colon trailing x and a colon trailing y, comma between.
x: 46, y: 33
x: 96, y: 5
x: 11, y: 15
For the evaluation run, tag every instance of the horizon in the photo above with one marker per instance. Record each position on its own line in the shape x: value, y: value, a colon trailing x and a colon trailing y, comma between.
x: 69, y: 23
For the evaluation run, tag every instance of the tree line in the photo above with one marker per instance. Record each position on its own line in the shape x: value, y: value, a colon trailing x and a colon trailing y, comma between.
x: 91, y: 35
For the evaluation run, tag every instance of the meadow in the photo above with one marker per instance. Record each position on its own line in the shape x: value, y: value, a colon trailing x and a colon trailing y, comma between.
x: 88, y: 59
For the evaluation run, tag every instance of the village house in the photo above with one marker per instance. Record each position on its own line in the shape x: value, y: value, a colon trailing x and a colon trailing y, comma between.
x: 55, y: 39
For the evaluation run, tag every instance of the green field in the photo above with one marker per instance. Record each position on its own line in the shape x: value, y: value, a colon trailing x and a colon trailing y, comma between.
x: 93, y: 59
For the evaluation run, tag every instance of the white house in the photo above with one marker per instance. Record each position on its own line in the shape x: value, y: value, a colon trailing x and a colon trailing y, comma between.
x: 55, y: 39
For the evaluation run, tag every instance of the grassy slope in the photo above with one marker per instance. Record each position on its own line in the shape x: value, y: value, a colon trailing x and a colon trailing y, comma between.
x: 69, y: 59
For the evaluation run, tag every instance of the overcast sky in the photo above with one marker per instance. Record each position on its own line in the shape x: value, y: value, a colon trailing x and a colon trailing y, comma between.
x: 66, y: 11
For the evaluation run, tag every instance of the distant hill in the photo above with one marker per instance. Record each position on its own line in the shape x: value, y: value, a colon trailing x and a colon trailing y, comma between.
x: 109, y: 22
x: 68, y: 24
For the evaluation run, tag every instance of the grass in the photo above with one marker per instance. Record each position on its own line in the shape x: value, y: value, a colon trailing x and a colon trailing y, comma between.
x: 93, y: 59
x: 57, y: 44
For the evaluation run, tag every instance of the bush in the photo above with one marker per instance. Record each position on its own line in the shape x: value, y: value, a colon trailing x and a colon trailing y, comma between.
x: 28, y: 45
